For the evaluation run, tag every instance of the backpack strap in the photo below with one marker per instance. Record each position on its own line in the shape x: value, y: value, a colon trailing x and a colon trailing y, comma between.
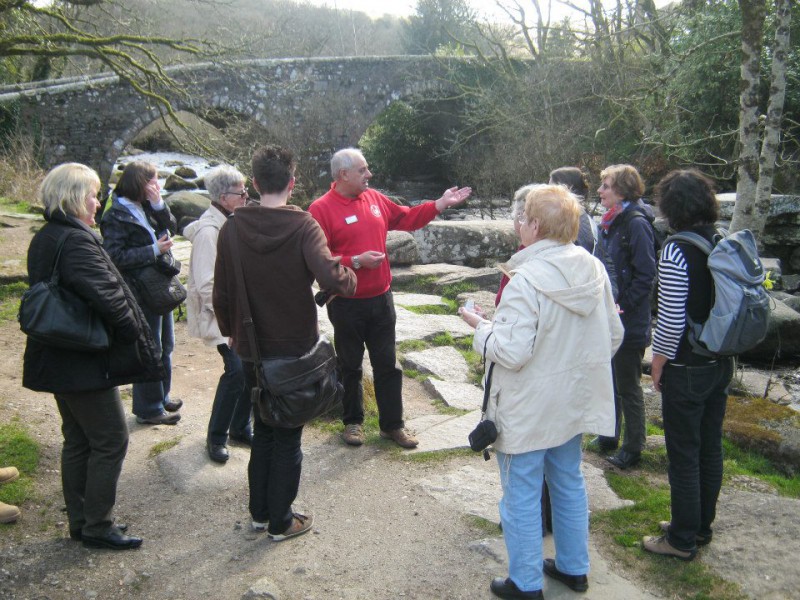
x: 695, y: 239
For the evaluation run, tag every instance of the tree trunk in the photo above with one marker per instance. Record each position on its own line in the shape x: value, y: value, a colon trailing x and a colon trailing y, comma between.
x: 772, y: 130
x: 753, y: 15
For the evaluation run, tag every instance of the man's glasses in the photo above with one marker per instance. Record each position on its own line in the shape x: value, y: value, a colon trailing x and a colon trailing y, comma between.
x: 243, y: 194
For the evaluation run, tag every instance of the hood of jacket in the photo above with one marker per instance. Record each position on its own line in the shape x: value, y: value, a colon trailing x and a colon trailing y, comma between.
x: 212, y: 217
x: 264, y: 229
x: 565, y: 273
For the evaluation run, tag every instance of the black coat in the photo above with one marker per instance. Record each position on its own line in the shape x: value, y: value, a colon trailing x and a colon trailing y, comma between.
x: 127, y: 241
x: 87, y: 270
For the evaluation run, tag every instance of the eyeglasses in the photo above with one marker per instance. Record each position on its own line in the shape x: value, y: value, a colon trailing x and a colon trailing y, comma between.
x: 243, y: 194
x: 522, y: 219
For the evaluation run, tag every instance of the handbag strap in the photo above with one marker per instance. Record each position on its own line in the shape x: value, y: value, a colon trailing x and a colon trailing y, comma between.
x: 244, y: 303
x: 56, y: 275
x: 487, y: 386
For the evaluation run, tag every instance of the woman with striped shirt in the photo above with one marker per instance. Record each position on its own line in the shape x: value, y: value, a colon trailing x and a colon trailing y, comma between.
x: 694, y: 388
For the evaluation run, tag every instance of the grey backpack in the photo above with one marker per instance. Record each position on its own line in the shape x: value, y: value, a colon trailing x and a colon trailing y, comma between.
x: 740, y: 314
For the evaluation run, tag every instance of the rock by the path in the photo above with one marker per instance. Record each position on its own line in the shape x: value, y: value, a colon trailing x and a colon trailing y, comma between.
x: 263, y: 589
x: 464, y: 396
x: 174, y: 183
x: 188, y: 470
x: 415, y: 273
x: 485, y: 278
x: 443, y: 432
x: 401, y: 248
x: 445, y: 362
x: 483, y: 299
x: 406, y: 299
x: 783, y: 334
x: 411, y: 326
x: 466, y: 242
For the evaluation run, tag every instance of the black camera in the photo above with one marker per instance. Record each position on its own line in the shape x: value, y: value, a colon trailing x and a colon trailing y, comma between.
x: 484, y: 434
x: 321, y: 297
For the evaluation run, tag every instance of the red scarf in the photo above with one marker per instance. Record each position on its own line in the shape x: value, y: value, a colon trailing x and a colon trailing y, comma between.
x: 608, y: 217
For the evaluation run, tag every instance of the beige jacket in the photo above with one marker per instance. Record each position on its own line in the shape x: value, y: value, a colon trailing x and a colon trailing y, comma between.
x: 203, y: 234
x: 552, y: 339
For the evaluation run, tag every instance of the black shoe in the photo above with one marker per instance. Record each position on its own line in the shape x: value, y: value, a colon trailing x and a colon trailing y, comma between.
x: 505, y: 588
x: 577, y: 583
x: 625, y: 460
x: 77, y: 534
x: 113, y: 540
x: 173, y: 405
x: 242, y: 438
x: 218, y: 452
x: 162, y: 419
x: 604, y: 444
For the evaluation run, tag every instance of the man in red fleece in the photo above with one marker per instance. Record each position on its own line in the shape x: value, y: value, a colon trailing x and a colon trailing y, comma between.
x: 355, y: 220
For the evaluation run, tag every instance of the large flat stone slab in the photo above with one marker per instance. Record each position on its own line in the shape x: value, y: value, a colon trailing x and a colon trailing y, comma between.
x: 187, y: 468
x: 411, y: 326
x: 445, y: 362
x: 454, y: 394
x: 405, y: 299
x: 446, y: 432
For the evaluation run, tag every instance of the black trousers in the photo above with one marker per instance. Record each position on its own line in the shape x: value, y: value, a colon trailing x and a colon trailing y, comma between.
x: 95, y: 444
x: 370, y: 323
x: 276, y: 462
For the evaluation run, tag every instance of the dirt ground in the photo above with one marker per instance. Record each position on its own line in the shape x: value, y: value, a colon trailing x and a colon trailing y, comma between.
x: 378, y: 534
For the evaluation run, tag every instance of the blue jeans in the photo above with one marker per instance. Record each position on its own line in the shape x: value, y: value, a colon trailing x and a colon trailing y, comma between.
x: 232, y: 408
x: 520, y: 512
x: 693, y: 402
x: 149, y: 397
x: 370, y: 322
x: 274, y: 470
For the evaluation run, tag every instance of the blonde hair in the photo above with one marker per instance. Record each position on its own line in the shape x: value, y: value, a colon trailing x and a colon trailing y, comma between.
x: 66, y: 188
x: 556, y: 209
x: 625, y: 180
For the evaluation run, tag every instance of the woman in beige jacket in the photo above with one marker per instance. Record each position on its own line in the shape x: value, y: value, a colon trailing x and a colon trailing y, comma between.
x: 552, y: 339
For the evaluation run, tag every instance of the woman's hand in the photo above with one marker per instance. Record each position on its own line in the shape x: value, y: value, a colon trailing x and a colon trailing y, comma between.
x: 164, y: 243
x: 153, y: 191
x: 470, y: 318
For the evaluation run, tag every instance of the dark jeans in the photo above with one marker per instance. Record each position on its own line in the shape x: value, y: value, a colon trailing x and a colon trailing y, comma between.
x: 274, y: 470
x: 232, y: 407
x: 95, y: 444
x: 149, y: 397
x: 370, y: 322
x: 693, y: 401
x: 628, y: 397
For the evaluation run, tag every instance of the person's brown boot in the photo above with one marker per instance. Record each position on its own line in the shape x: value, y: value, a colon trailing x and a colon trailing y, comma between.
x: 353, y: 434
x: 8, y: 513
x: 8, y: 474
x: 401, y: 437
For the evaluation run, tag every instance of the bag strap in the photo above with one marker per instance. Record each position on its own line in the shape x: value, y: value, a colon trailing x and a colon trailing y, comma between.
x: 244, y: 303
x: 690, y: 237
x: 487, y: 387
x: 56, y: 275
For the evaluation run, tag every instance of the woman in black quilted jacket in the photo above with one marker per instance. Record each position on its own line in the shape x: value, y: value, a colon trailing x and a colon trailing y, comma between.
x: 84, y: 383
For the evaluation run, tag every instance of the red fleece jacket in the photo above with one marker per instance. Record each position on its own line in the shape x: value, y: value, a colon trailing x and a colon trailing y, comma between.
x: 355, y: 225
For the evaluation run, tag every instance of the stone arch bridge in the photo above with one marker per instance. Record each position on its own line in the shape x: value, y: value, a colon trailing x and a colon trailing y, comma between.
x: 91, y: 119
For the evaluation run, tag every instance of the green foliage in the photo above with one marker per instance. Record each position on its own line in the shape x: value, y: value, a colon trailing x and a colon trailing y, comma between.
x: 400, y: 143
x: 738, y: 461
x: 433, y: 309
x: 439, y: 24
x: 18, y: 449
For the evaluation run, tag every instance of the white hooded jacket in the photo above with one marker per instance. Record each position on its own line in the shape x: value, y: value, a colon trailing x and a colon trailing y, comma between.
x: 552, y: 339
x: 203, y: 234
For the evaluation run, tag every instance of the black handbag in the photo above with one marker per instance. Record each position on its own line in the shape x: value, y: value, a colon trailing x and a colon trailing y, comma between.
x: 290, y: 391
x: 158, y: 286
x: 53, y: 315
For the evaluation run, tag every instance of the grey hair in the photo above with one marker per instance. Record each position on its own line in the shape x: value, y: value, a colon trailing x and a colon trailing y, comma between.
x: 343, y: 160
x: 518, y: 203
x: 221, y: 179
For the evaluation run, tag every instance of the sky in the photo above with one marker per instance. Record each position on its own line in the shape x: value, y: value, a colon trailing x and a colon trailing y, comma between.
x: 404, y: 8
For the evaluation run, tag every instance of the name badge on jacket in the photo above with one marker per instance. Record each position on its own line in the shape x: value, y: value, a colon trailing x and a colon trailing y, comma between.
x: 351, y: 219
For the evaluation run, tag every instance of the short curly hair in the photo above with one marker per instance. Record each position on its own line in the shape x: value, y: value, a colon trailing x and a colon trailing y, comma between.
x: 625, y: 180
x: 687, y: 198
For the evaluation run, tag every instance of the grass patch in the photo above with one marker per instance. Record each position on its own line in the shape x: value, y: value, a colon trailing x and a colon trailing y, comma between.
x: 434, y: 309
x: 414, y: 374
x: 434, y: 457
x: 419, y: 285
x: 10, y: 295
x: 626, y: 526
x: 164, y: 446
x: 454, y: 289
x: 485, y: 526
x: 741, y: 461
x: 412, y: 346
x: 18, y: 449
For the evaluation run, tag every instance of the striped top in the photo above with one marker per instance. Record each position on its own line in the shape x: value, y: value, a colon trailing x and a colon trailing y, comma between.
x: 673, y: 295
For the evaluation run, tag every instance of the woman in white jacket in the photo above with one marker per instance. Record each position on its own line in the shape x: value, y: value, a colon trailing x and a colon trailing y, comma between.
x: 230, y: 413
x: 552, y: 339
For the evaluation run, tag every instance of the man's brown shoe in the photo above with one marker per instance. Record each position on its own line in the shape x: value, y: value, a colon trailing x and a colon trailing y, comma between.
x: 300, y: 524
x: 401, y: 437
x: 8, y: 513
x: 353, y: 434
x: 8, y: 474
x: 660, y: 545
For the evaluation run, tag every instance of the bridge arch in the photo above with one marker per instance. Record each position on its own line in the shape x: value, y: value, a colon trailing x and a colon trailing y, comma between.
x: 92, y: 119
